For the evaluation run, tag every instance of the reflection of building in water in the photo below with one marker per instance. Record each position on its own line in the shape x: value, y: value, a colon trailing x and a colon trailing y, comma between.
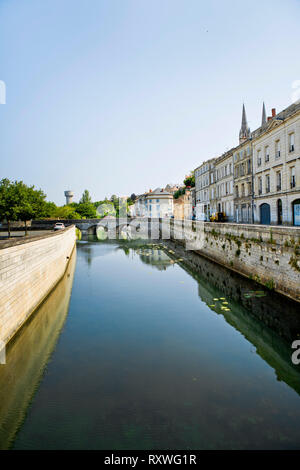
x: 27, y: 356
x: 156, y: 258
x: 269, y: 321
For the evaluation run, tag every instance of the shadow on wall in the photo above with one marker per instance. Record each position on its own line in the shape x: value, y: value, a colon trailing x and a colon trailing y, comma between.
x: 28, y: 354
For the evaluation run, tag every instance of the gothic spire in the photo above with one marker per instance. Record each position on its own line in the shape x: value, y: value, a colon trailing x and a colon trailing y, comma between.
x: 245, y: 130
x: 264, y: 116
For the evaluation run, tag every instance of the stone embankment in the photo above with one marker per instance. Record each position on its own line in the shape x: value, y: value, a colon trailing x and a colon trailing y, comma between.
x: 268, y: 254
x: 29, y: 270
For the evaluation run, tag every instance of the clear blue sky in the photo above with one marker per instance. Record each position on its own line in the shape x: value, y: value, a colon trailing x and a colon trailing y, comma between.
x: 120, y: 96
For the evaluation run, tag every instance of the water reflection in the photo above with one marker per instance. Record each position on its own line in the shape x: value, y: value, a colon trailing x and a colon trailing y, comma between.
x: 268, y: 320
x: 164, y: 349
x: 257, y: 313
x: 28, y: 354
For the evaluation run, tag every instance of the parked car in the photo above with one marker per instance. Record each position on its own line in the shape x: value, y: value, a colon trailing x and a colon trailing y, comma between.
x: 59, y: 226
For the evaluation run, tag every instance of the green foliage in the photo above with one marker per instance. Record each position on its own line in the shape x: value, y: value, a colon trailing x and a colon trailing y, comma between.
x: 294, y: 263
x: 270, y: 284
x: 85, y: 198
x: 86, y: 210
x: 20, y: 202
x: 190, y: 180
x: 78, y: 234
x: 65, y: 212
x: 179, y: 193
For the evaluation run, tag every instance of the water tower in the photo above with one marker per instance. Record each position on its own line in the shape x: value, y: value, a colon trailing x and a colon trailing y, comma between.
x: 69, y: 197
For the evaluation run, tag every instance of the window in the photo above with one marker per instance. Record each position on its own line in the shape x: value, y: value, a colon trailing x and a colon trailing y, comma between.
x: 293, y: 177
x: 260, y: 185
x: 237, y: 191
x: 291, y: 142
x: 258, y: 158
x: 267, y: 154
x: 249, y: 188
x: 248, y: 151
x: 277, y: 148
x: 267, y: 183
x: 243, y: 189
x: 278, y: 180
x: 249, y: 167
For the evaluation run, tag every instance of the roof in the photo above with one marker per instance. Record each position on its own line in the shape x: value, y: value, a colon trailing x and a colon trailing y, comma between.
x: 160, y: 191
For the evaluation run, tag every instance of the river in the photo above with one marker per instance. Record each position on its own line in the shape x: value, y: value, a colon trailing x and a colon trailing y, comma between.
x: 136, y: 348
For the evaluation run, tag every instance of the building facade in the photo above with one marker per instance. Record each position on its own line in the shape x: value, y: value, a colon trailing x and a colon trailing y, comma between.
x: 183, y: 206
x: 157, y: 203
x: 243, y: 183
x: 259, y: 180
x: 223, y: 187
x: 276, y: 163
x: 204, y: 177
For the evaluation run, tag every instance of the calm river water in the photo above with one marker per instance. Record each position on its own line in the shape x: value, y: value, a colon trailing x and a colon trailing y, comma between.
x: 136, y: 349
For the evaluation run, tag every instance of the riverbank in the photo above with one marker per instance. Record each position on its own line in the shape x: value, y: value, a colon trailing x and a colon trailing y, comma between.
x: 30, y: 267
x: 267, y: 254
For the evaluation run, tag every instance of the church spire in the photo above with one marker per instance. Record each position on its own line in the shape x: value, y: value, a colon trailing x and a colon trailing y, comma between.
x: 264, y: 116
x: 245, y: 130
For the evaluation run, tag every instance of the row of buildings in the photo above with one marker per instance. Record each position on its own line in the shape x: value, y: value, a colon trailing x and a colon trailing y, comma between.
x: 259, y: 180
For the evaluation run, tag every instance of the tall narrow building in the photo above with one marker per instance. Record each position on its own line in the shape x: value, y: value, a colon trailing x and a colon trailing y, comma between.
x: 264, y: 116
x: 245, y: 130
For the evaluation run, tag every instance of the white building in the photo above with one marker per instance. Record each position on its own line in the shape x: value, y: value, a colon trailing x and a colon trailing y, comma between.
x: 276, y: 165
x: 222, y: 191
x: 204, y: 178
x: 157, y: 203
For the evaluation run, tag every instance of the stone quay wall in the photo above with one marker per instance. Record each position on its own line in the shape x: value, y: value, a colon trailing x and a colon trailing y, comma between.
x: 29, y: 269
x: 269, y: 255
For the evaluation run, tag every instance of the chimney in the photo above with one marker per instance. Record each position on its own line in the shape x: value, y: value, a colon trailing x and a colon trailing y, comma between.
x: 273, y: 112
x: 269, y: 118
x: 150, y: 190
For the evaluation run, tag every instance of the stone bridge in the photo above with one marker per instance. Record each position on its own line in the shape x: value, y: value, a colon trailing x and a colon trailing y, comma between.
x: 90, y: 226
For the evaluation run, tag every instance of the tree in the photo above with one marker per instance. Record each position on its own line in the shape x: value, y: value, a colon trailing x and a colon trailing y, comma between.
x: 133, y: 197
x: 190, y: 180
x: 48, y: 210
x: 87, y: 210
x: 8, y: 202
x: 20, y: 202
x: 66, y: 212
x: 32, y: 202
x: 179, y: 193
x: 85, y: 198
